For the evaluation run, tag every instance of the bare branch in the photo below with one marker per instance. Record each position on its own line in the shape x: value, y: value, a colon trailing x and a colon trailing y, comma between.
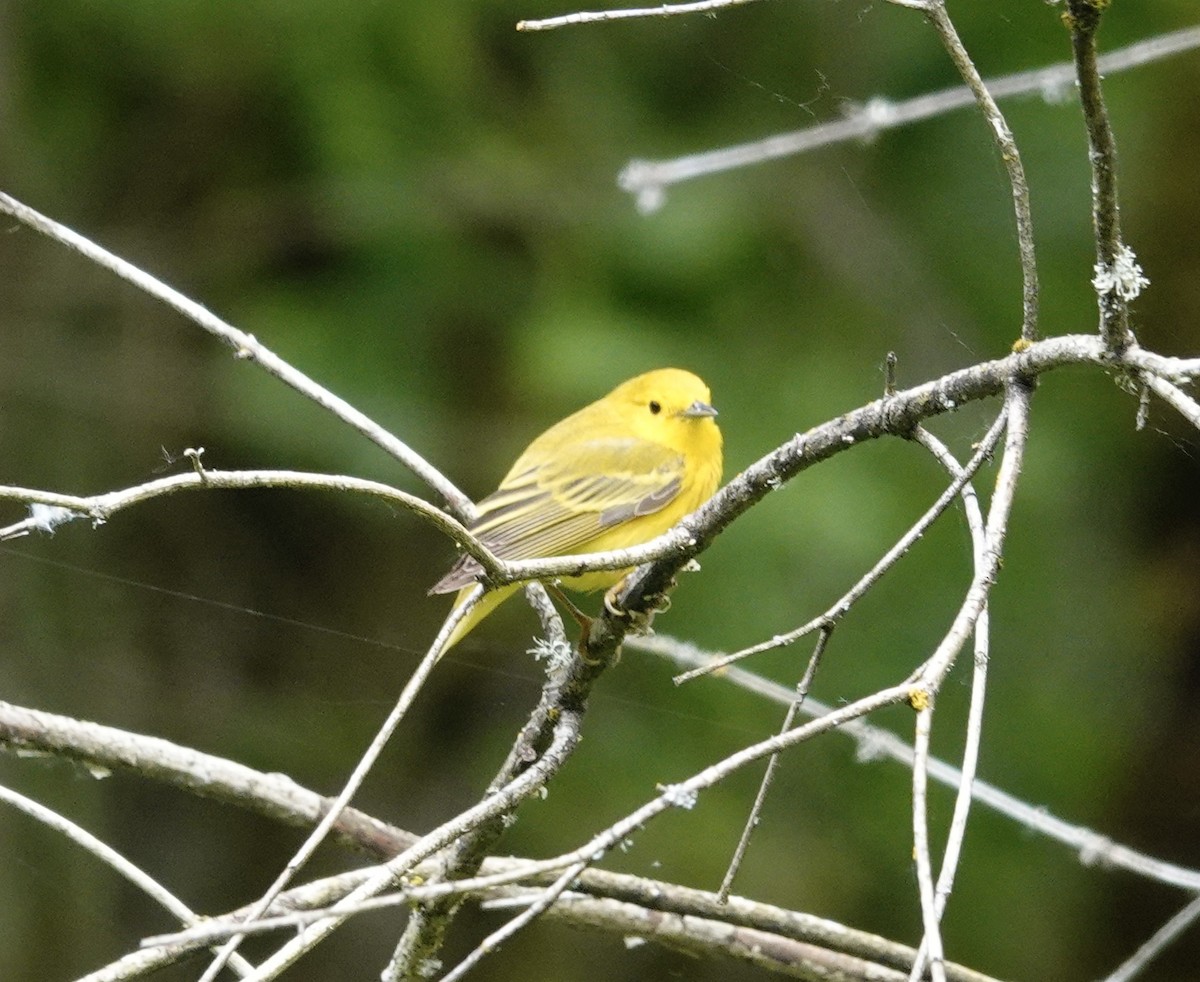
x: 881, y: 961
x: 1009, y: 155
x: 787, y: 942
x: 100, y: 508
x: 361, y: 769
x: 1118, y: 278
x: 838, y: 608
x: 246, y: 347
x: 962, y: 802
x: 648, y: 180
x: 277, y: 796
x: 764, y: 786
x: 600, y: 16
x: 103, y: 748
x: 1092, y: 848
x: 545, y: 899
x: 1181, y: 402
x: 109, y: 856
x: 987, y: 561
x: 931, y: 947
x: 1163, y: 937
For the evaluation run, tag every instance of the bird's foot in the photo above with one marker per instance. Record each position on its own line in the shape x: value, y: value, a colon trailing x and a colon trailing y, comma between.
x: 639, y: 623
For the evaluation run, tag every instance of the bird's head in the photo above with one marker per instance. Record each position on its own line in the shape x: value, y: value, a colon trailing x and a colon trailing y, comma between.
x: 670, y: 406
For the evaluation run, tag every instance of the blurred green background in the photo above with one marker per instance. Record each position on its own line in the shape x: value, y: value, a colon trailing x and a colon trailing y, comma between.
x: 418, y: 206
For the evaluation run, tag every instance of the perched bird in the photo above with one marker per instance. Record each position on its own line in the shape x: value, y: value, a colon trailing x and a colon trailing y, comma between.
x: 617, y: 473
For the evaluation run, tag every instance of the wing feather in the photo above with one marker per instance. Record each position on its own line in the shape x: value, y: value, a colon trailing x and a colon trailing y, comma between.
x: 558, y: 506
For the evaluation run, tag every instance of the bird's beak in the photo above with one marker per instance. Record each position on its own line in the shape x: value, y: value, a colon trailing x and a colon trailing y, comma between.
x: 698, y: 410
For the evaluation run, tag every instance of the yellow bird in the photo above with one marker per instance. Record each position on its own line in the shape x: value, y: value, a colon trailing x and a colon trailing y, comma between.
x: 617, y: 473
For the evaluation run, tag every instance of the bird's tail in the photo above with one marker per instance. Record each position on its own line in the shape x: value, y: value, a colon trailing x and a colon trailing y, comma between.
x: 486, y: 604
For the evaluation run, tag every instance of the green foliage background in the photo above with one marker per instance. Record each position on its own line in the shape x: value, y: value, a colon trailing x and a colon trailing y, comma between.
x: 417, y: 206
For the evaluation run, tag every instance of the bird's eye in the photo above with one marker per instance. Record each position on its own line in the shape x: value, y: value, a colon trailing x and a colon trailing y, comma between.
x: 655, y: 407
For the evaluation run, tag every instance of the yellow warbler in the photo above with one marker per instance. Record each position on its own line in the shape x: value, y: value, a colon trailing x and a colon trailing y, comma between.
x: 615, y: 474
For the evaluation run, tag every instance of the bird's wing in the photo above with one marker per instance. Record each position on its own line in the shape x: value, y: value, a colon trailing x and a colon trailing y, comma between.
x: 558, y: 506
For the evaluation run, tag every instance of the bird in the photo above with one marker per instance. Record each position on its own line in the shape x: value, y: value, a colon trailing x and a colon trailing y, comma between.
x: 617, y: 473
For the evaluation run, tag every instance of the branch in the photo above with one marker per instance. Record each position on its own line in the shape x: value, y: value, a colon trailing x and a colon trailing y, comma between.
x: 1162, y: 938
x: 931, y: 946
x: 278, y: 797
x: 648, y: 180
x: 930, y: 676
x: 109, y: 856
x: 245, y: 347
x: 1181, y: 402
x: 362, y: 768
x: 692, y: 921
x: 1009, y: 155
x: 600, y: 16
x: 789, y: 720
x: 1092, y: 848
x: 1118, y: 277
x: 275, y: 796
x: 56, y: 508
x: 566, y: 735
x: 840, y: 607
x: 974, y: 729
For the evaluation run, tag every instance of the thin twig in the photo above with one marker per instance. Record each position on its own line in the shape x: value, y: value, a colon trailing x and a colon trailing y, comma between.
x: 1181, y: 402
x: 568, y: 682
x: 100, y: 508
x: 407, y: 696
x: 931, y: 674
x: 1114, y: 262
x: 493, y: 941
x: 648, y: 180
x: 768, y: 777
x: 566, y: 735
x: 932, y: 945
x: 600, y: 16
x: 974, y: 728
x: 108, y: 855
x: 1009, y: 155
x: 987, y: 551
x: 710, y: 7
x: 245, y: 346
x: 843, y: 604
x: 1163, y: 937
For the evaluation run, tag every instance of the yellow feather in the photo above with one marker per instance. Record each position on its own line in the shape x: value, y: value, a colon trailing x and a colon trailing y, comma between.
x: 615, y: 474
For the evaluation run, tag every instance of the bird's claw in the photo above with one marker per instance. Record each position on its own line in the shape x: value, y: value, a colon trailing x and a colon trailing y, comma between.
x: 639, y: 623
